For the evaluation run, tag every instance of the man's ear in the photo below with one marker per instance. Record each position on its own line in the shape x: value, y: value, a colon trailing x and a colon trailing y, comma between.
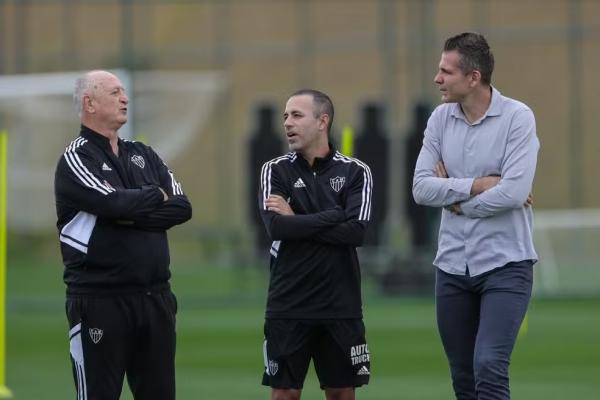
x: 87, y: 104
x: 475, y: 77
x: 324, y: 121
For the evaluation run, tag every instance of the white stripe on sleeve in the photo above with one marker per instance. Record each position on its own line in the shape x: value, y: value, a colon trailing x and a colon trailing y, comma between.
x: 81, y: 171
x: 367, y: 189
x: 175, y: 186
x: 266, y: 173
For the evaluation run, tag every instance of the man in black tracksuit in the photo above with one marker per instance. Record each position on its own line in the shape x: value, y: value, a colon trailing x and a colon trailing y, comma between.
x: 115, y: 200
x: 315, y: 203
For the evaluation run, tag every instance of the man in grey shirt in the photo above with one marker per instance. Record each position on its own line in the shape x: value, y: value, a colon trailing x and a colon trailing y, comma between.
x: 478, y: 162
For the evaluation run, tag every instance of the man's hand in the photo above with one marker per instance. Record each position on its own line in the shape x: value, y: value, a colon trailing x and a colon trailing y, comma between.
x: 278, y: 205
x: 440, y: 170
x: 529, y: 200
x: 455, y: 209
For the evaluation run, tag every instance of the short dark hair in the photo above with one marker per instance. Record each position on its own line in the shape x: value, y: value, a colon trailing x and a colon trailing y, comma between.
x: 322, y: 102
x: 475, y: 54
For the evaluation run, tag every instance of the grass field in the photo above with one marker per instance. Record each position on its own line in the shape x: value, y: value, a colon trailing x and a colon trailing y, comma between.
x: 220, y: 341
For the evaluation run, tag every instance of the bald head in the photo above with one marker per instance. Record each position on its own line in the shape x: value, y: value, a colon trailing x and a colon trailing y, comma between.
x: 101, y: 101
x: 88, y: 85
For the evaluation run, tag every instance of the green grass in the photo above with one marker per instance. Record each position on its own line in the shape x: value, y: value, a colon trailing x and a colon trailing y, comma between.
x: 220, y: 341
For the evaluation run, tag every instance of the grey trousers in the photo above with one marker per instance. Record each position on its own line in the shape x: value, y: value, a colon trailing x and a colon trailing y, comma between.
x: 478, y: 321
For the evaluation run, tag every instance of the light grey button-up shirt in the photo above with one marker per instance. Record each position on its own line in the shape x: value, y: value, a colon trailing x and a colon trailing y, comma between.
x: 496, y: 227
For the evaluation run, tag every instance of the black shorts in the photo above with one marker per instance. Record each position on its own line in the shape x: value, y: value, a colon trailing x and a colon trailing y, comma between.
x: 114, y: 335
x: 338, y: 349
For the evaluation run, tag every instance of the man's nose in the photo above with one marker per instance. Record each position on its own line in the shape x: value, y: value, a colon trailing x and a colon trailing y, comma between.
x: 437, y: 78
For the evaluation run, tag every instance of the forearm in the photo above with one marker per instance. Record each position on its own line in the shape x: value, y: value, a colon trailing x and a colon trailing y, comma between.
x: 513, y: 189
x: 499, y: 199
x: 429, y: 190
x: 119, y: 204
x: 88, y: 192
x: 484, y: 183
x: 174, y: 211
x: 295, y: 227
x: 350, y: 233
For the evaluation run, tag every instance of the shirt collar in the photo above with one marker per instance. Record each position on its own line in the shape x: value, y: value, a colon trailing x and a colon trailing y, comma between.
x: 494, y: 110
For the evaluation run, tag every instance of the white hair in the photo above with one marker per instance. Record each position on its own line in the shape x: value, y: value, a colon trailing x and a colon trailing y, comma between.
x: 84, y: 85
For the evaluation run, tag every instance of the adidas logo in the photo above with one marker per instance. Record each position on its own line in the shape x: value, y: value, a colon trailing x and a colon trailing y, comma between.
x: 363, y: 371
x: 299, y: 183
x: 106, y: 167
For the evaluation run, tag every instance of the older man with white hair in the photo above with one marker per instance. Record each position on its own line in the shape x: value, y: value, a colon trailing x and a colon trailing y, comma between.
x: 115, y: 200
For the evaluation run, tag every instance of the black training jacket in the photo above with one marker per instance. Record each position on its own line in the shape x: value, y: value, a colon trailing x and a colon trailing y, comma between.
x: 315, y: 273
x: 112, y: 217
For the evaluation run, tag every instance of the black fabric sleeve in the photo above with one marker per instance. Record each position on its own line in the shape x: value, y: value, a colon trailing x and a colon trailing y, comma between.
x: 176, y: 210
x: 290, y: 227
x: 294, y: 227
x: 358, y: 212
x: 349, y: 233
x: 80, y: 185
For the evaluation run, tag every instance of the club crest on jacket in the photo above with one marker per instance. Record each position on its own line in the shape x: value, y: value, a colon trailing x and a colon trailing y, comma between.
x: 337, y: 182
x: 138, y: 160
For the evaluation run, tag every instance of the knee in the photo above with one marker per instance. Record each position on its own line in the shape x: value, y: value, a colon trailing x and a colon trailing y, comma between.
x: 490, y: 365
x: 339, y: 394
x: 285, y: 394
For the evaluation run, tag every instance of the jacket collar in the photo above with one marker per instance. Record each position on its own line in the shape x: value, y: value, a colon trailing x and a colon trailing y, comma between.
x: 320, y: 163
x: 96, y: 138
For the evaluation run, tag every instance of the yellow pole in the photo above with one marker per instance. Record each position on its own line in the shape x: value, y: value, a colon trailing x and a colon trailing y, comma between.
x: 347, y: 141
x: 4, y: 391
x: 524, y: 326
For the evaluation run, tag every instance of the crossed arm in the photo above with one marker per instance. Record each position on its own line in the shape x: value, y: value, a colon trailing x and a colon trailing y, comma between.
x: 484, y: 196
x: 175, y: 208
x: 330, y: 226
x: 480, y: 185
x: 155, y: 207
